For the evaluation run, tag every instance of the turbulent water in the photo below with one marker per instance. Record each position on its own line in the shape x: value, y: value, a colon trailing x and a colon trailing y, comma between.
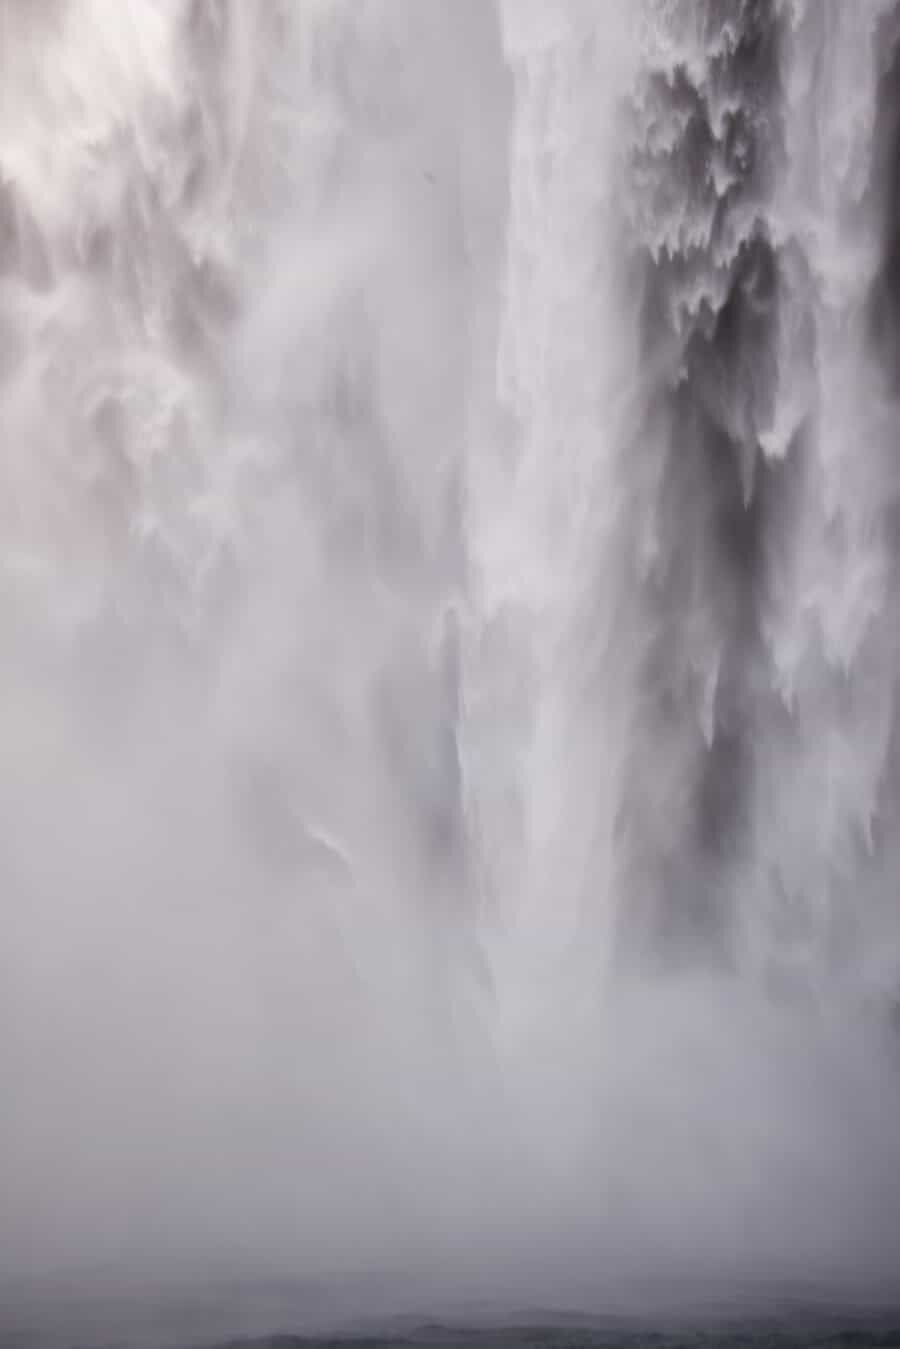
x: 450, y: 631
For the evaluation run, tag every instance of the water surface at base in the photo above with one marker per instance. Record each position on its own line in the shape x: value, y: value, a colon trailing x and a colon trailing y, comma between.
x: 369, y: 1314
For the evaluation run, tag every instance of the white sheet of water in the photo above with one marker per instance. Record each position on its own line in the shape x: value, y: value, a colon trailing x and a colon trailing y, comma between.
x: 334, y: 478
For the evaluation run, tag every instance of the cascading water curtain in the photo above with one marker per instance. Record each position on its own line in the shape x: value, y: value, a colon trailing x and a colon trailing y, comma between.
x: 449, y: 643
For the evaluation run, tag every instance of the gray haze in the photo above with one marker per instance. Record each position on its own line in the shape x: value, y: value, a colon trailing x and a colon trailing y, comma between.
x: 449, y: 658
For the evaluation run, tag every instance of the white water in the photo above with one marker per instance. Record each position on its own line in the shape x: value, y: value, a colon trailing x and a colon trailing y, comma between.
x: 448, y: 798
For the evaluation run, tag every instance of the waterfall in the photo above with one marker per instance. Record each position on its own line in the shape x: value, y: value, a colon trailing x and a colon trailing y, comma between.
x: 449, y: 612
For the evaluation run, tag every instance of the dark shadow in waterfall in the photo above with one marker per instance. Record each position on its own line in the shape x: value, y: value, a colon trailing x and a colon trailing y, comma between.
x: 711, y: 288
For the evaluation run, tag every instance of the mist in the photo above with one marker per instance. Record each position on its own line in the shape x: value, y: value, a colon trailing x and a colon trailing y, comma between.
x: 448, y: 664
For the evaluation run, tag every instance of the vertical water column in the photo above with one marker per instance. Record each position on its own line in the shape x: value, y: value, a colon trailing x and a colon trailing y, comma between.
x: 818, y: 900
x: 546, y: 665
x: 704, y: 134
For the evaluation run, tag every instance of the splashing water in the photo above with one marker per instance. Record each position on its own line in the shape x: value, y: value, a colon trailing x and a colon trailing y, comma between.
x: 449, y: 581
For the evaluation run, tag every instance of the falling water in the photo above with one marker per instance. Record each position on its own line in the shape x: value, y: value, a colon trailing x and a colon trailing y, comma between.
x: 450, y: 628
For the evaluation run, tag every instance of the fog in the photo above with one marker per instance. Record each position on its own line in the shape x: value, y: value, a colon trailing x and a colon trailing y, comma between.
x: 448, y: 574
